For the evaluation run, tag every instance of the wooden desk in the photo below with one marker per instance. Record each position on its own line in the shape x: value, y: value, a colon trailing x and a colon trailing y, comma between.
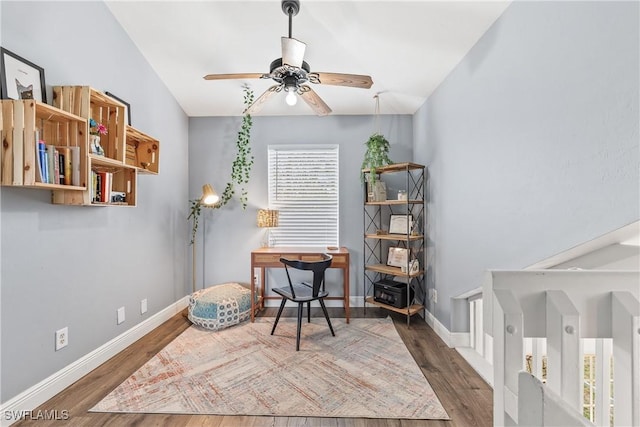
x: 270, y: 258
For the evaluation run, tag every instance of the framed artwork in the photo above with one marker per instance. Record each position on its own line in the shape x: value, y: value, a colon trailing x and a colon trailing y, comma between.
x: 126, y: 104
x: 397, y: 257
x: 20, y: 78
x: 398, y: 224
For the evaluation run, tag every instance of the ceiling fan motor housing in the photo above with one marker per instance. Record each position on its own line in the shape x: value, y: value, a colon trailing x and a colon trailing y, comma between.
x: 291, y: 6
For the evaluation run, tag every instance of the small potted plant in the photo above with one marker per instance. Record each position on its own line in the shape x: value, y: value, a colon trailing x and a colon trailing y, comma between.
x: 377, y: 155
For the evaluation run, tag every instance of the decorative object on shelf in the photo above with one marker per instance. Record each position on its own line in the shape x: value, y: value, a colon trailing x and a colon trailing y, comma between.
x: 241, y: 167
x: 397, y: 257
x: 95, y: 130
x: 268, y: 218
x: 377, y: 153
x: 126, y: 104
x: 402, y: 195
x: 414, y: 266
x: 399, y: 224
x: 20, y: 79
x: 209, y: 199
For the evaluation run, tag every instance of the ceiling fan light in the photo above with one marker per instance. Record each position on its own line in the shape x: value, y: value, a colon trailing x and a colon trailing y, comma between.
x: 292, y: 51
x: 291, y: 98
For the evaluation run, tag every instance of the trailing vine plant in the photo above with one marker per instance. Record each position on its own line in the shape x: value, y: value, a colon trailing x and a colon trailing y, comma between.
x: 240, y: 168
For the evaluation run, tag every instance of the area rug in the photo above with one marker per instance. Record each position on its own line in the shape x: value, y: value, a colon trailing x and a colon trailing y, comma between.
x: 365, y: 371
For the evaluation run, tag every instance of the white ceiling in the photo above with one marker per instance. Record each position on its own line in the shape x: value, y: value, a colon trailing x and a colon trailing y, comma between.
x: 407, y: 47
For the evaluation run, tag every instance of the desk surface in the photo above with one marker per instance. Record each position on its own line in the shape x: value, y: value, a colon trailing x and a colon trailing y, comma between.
x: 302, y: 249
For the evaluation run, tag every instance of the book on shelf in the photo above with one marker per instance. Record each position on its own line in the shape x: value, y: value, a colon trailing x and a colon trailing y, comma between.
x: 75, y: 166
x: 40, y: 175
x: 51, y: 164
x: 65, y: 164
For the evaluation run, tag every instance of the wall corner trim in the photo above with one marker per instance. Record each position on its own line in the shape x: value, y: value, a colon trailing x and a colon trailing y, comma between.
x: 54, y: 384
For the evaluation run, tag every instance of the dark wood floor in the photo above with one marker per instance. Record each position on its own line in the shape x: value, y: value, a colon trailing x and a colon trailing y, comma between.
x: 465, y: 395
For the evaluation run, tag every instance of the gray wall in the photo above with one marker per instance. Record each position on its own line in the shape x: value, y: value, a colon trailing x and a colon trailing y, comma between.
x: 231, y: 233
x: 74, y: 266
x: 532, y: 142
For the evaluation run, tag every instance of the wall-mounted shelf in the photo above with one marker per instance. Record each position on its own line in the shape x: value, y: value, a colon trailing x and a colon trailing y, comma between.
x: 112, y: 177
x: 42, y: 147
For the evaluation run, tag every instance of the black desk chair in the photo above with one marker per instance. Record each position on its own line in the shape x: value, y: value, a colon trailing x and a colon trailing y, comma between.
x: 303, y: 292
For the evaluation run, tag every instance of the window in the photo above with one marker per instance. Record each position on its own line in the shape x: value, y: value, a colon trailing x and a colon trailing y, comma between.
x: 303, y: 186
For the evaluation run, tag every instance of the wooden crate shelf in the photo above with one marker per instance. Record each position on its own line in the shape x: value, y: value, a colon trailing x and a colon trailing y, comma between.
x: 142, y: 151
x: 23, y: 123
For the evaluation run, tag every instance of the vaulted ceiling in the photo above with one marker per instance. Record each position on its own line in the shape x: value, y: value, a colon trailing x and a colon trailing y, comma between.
x: 407, y: 47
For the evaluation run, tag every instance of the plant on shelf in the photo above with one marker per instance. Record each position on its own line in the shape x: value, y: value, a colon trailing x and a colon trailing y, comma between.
x: 240, y: 168
x: 377, y: 155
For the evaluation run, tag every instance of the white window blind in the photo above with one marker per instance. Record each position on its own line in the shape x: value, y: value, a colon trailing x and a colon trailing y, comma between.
x: 303, y: 186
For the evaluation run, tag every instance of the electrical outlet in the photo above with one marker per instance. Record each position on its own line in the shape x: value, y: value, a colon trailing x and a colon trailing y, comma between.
x: 62, y: 338
x: 435, y: 296
x: 120, y: 315
x: 143, y: 306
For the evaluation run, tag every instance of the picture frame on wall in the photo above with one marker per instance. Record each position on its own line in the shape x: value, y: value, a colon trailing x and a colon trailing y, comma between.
x: 20, y: 78
x: 126, y: 104
x: 397, y: 257
x: 398, y: 224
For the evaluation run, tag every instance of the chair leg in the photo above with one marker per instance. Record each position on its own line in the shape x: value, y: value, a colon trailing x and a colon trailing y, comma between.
x: 326, y: 315
x: 309, y: 312
x: 300, y: 308
x: 284, y: 301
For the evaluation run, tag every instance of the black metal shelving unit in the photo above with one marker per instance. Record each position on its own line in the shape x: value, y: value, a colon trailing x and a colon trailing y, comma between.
x: 410, y: 241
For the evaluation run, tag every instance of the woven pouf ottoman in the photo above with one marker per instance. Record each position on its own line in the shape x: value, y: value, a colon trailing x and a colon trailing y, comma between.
x: 220, y: 306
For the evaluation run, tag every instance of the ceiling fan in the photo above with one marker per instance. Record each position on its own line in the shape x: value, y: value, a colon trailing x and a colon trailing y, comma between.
x: 291, y: 73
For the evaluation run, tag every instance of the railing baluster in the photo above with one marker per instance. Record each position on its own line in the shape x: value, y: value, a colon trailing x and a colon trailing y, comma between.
x: 537, y: 353
x: 508, y: 357
x: 625, y: 328
x: 603, y: 382
x: 564, y: 361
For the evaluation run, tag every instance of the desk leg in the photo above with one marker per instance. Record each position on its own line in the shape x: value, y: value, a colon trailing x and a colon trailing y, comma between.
x: 262, y: 286
x: 253, y: 295
x: 346, y: 291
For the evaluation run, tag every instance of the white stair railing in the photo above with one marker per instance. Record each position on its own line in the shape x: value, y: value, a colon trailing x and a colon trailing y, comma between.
x: 563, y: 307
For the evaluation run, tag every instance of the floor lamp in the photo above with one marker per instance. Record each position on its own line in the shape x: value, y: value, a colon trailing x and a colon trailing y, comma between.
x: 209, y: 199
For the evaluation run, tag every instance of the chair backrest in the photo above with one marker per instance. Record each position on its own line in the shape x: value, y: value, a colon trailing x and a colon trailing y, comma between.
x: 318, y: 268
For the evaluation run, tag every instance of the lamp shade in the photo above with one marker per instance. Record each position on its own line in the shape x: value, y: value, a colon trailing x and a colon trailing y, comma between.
x: 268, y: 218
x: 209, y: 195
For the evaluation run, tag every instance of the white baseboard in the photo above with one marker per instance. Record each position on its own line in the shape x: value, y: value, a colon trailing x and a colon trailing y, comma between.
x: 451, y: 339
x: 21, y: 405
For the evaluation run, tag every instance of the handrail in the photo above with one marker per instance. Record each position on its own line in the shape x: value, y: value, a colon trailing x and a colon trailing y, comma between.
x: 563, y: 307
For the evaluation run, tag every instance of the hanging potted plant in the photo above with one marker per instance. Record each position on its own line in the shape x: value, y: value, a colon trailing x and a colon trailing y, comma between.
x: 377, y: 155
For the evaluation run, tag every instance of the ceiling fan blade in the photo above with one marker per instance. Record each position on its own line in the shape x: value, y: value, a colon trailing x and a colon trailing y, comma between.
x: 292, y: 51
x: 314, y: 101
x: 258, y: 103
x: 337, y: 79
x: 233, y: 76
